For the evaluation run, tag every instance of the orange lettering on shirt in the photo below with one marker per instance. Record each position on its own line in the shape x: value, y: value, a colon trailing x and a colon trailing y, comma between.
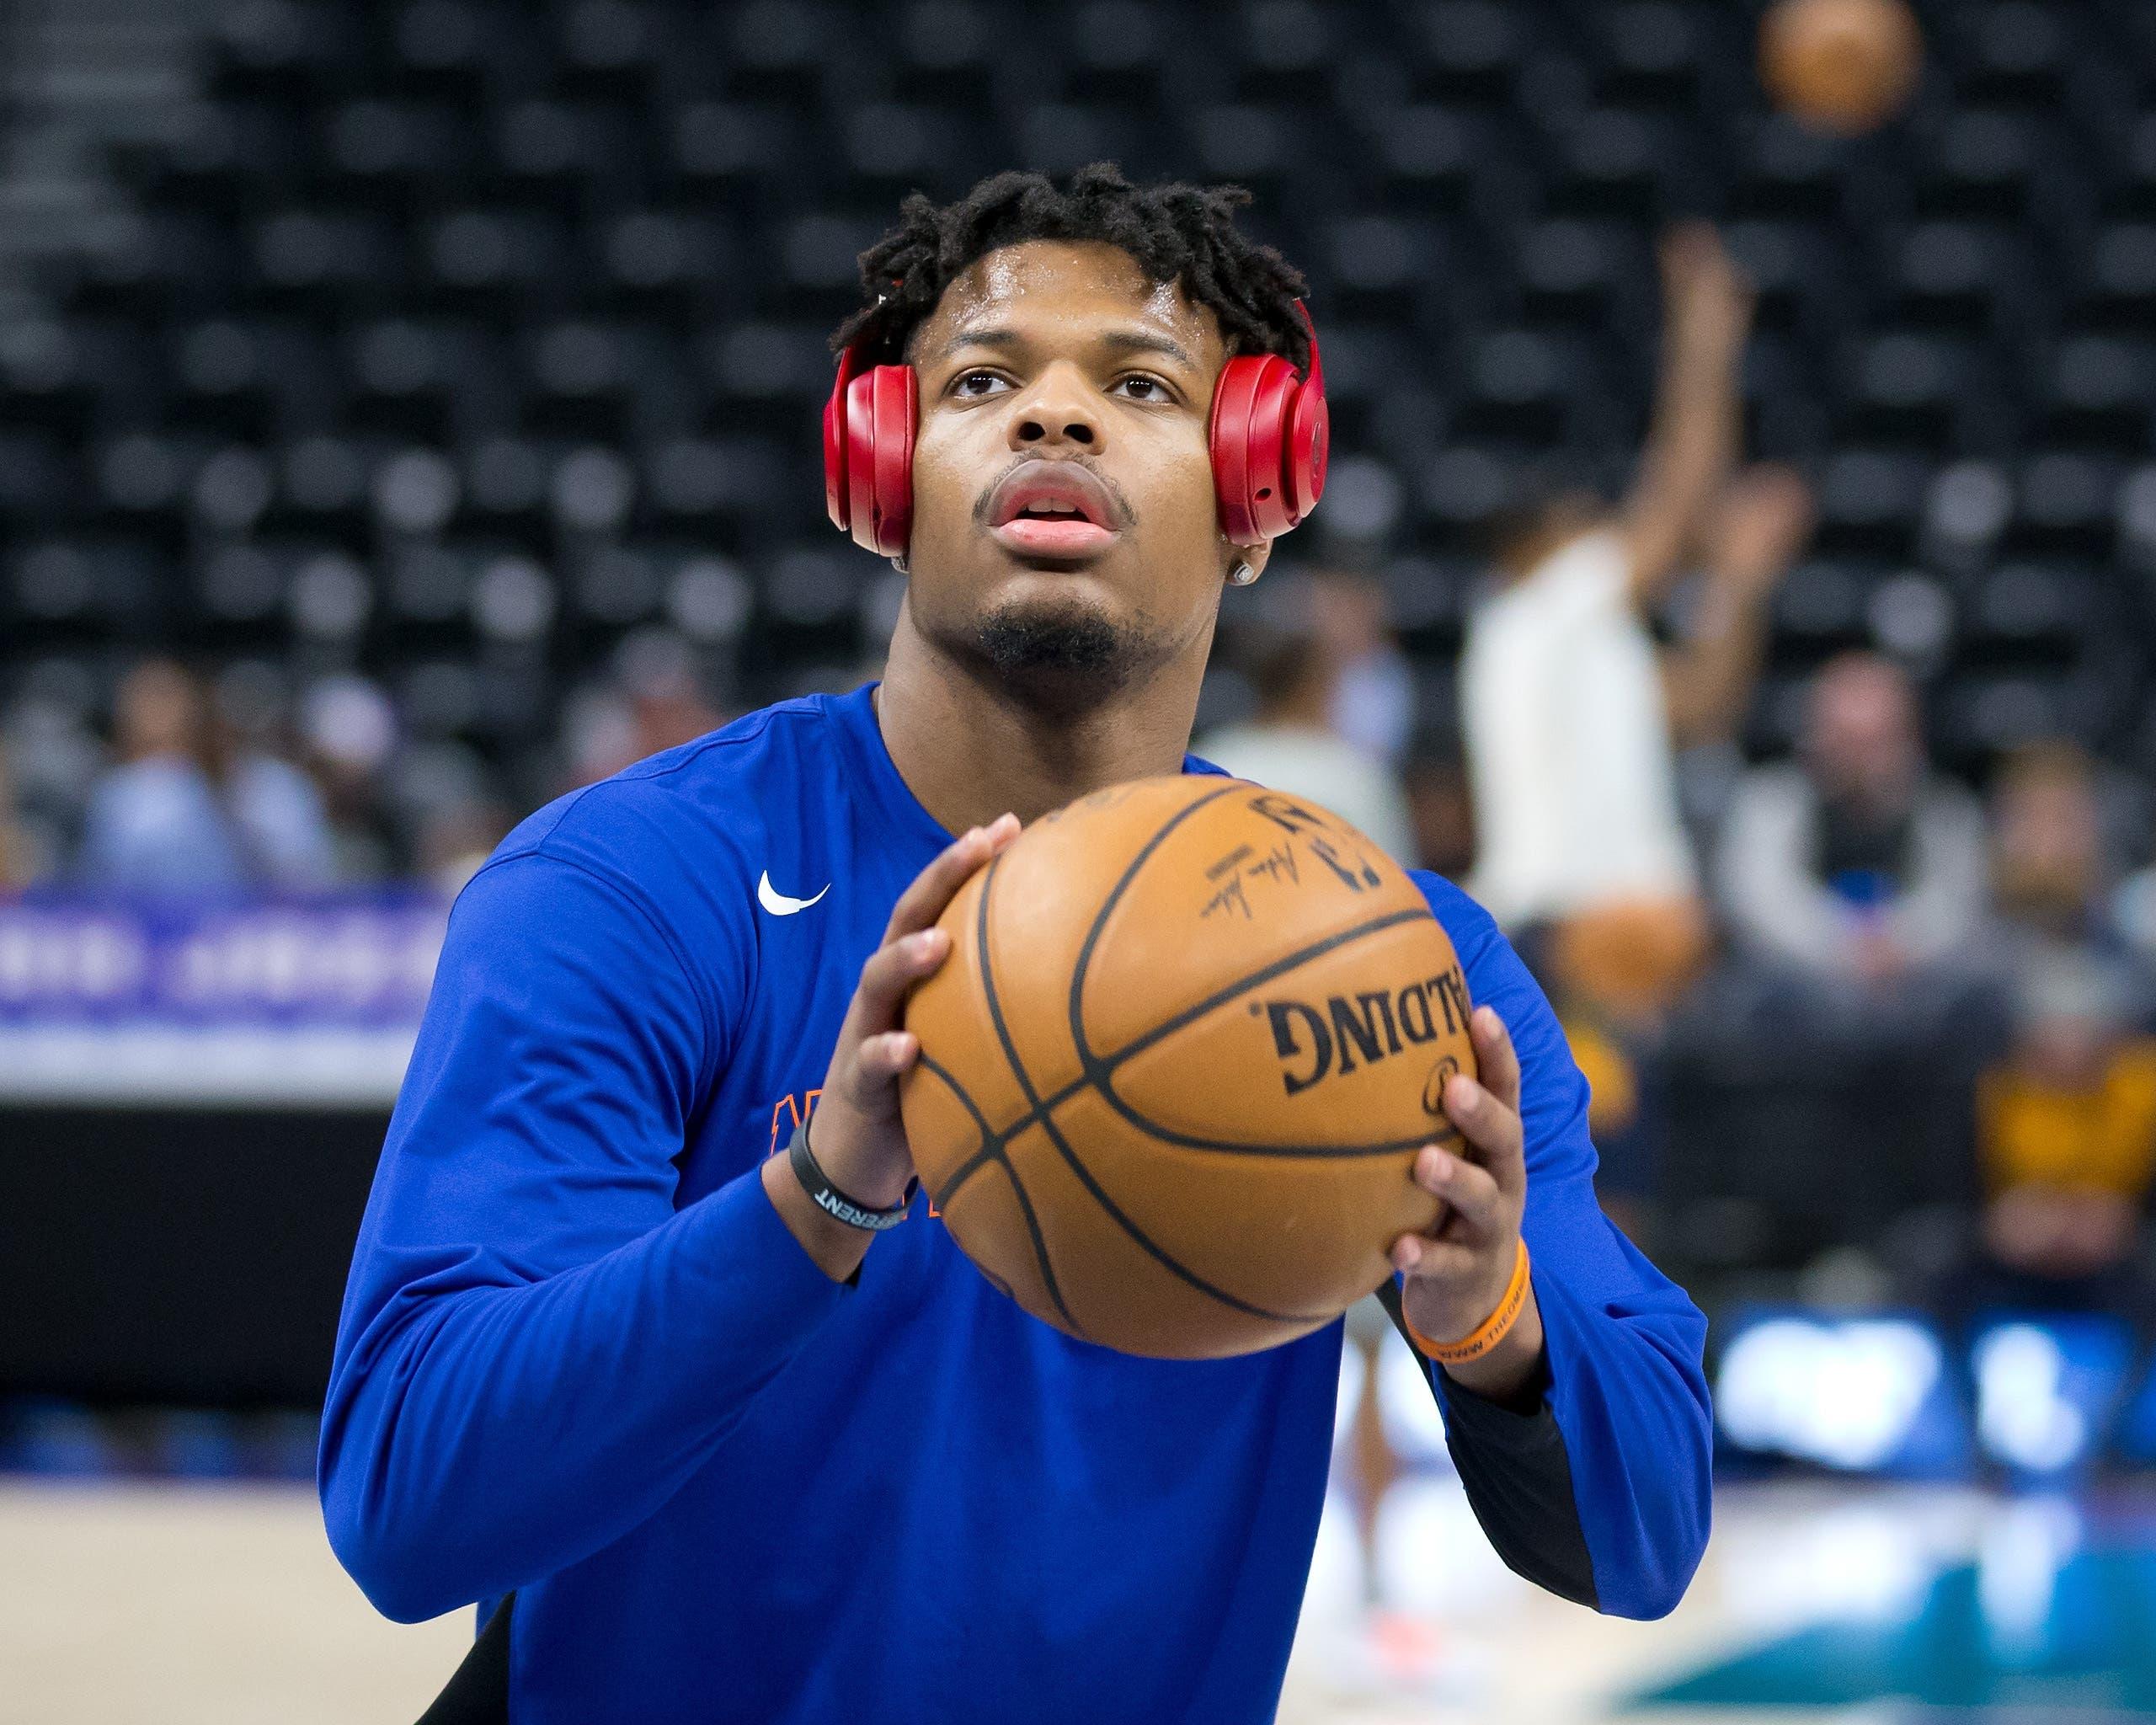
x: 789, y: 1111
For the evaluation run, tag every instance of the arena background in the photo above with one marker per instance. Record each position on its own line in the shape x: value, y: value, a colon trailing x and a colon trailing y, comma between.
x: 437, y: 382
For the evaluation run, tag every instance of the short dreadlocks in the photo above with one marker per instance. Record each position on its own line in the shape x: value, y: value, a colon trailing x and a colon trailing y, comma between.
x: 1177, y: 232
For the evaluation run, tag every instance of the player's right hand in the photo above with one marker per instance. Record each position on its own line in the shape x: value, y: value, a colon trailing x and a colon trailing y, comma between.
x: 855, y: 1132
x: 1709, y: 301
x: 1756, y: 530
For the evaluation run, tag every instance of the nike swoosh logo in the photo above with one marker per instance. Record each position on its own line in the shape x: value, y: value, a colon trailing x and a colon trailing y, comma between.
x: 776, y: 902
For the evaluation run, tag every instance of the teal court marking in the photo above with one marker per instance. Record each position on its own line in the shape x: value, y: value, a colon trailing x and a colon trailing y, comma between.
x: 2077, y: 1646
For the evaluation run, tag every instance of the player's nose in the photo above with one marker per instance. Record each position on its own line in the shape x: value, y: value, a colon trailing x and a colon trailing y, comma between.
x: 1061, y: 409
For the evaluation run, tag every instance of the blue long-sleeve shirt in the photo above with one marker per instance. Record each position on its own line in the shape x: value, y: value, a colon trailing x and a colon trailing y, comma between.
x: 581, y: 1356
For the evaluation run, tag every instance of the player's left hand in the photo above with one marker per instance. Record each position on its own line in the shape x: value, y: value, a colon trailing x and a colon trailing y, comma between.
x: 1456, y: 1273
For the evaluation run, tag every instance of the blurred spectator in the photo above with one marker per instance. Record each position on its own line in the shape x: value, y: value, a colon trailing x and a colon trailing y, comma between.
x: 185, y: 811
x: 2052, y: 874
x: 52, y: 758
x: 1855, y: 862
x: 456, y: 840
x: 2047, y: 853
x: 20, y: 862
x: 2133, y: 913
x: 349, y: 730
x: 2068, y: 1148
x: 1440, y: 806
x: 1289, y: 744
x: 653, y: 700
x: 1372, y: 704
x: 1568, y: 708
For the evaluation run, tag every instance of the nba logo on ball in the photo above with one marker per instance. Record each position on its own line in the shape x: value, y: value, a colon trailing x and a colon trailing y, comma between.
x: 1108, y: 1109
x: 1434, y: 1089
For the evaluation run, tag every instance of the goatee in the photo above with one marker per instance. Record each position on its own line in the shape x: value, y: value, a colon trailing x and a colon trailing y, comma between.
x: 1063, y: 658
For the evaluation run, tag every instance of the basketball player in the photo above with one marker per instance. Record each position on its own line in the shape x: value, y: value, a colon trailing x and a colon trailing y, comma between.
x: 740, y: 1455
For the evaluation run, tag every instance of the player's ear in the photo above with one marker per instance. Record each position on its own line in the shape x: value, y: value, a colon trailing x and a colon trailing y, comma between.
x: 1244, y: 564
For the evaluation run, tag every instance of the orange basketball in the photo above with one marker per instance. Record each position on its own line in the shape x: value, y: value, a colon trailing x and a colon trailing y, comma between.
x: 1842, y: 66
x: 1175, y: 1072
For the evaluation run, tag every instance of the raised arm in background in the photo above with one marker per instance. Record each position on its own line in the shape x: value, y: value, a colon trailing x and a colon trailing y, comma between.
x: 1755, y: 533
x: 1693, y: 441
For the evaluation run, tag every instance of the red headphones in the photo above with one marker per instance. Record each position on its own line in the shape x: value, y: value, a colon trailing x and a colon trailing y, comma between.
x: 1268, y: 433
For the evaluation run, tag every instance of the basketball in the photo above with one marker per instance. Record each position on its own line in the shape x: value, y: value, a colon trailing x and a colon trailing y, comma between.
x: 1174, y: 1074
x: 1841, y: 65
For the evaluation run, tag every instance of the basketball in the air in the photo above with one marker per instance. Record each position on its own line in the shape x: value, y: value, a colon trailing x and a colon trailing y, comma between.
x: 1840, y: 65
x: 1175, y: 1072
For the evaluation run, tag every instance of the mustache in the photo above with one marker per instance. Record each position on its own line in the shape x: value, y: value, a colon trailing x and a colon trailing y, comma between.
x: 1119, y: 505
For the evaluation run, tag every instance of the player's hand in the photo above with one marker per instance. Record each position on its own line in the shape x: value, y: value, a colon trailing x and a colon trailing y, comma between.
x: 1456, y: 1274
x: 1758, y: 529
x: 1707, y: 299
x: 855, y: 1131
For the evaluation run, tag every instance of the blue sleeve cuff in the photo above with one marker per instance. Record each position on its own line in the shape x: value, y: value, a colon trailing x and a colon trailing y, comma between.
x: 1625, y: 1393
x: 773, y: 1294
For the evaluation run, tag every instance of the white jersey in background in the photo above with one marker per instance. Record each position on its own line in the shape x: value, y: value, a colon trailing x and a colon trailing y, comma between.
x: 1567, y: 743
x: 1329, y: 770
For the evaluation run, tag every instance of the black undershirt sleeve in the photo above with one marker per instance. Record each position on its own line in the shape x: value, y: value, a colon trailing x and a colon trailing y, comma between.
x: 1519, y: 1478
x: 478, y: 1693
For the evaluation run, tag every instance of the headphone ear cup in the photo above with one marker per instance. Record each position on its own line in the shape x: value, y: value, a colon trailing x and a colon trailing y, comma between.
x: 896, y: 409
x: 860, y: 459
x: 1227, y: 436
x: 1272, y: 510
x: 876, y: 458
x: 836, y: 496
x: 1309, y: 440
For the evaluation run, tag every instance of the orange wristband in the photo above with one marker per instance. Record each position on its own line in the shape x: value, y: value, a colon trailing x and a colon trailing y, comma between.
x: 1493, y: 1330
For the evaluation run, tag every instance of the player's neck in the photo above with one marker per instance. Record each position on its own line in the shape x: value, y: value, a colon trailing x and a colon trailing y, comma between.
x: 968, y: 750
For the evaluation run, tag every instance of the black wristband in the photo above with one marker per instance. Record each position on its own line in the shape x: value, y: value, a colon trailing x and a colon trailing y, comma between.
x: 834, y: 1202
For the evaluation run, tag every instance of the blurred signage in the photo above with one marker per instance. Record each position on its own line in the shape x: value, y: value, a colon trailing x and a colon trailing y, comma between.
x: 2038, y: 1396
x: 2048, y: 1387
x: 287, y: 1001
x: 1872, y: 1395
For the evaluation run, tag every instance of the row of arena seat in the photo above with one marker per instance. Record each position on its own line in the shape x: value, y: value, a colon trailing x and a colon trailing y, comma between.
x: 455, y: 330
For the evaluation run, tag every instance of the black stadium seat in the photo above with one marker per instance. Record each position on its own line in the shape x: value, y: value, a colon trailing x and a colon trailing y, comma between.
x: 584, y: 259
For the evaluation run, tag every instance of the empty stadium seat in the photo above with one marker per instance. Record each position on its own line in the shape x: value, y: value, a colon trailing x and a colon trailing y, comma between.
x: 547, y: 291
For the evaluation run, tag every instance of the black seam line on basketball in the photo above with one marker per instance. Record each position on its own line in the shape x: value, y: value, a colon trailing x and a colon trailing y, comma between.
x: 992, y: 1142
x: 1115, y: 897
x: 1025, y: 1083
x: 994, y: 1149
x: 1167, y: 1259
x: 1077, y: 983
x: 1062, y: 1146
x: 994, y: 1152
x: 1100, y: 1070
x: 1101, y: 1067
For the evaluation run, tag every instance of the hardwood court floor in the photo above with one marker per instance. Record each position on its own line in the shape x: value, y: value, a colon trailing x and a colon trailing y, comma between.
x: 185, y: 1605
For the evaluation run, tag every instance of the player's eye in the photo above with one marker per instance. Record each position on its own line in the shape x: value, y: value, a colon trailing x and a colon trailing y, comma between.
x: 975, y: 383
x: 1148, y: 388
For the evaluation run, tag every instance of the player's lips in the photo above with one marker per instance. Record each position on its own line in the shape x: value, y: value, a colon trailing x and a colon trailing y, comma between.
x: 1048, y: 508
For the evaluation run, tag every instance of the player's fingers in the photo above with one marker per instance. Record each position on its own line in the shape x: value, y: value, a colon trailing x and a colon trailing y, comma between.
x: 1491, y: 1130
x: 888, y: 1055
x: 1419, y: 1255
x: 1471, y: 1193
x: 934, y: 888
x: 866, y: 1076
x: 1497, y: 1061
x: 925, y: 897
x: 891, y: 970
